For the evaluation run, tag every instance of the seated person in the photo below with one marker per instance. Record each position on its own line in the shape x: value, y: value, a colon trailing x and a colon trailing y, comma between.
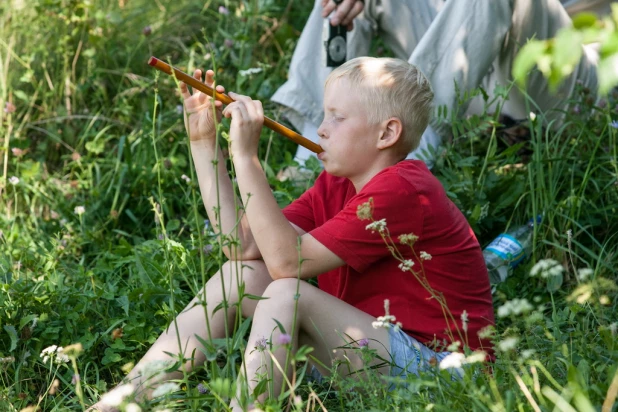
x: 459, y: 45
x: 367, y: 199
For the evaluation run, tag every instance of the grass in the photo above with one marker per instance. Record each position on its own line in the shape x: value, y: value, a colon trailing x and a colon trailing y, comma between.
x: 95, y: 127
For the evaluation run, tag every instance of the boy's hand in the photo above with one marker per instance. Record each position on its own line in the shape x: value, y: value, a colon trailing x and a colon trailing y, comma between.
x: 198, y: 113
x: 247, y: 121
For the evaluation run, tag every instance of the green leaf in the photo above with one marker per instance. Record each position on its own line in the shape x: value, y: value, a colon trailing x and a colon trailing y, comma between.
x: 608, y: 73
x: 96, y: 146
x: 584, y: 20
x: 526, y: 59
x: 172, y: 225
x: 10, y: 329
x: 25, y: 320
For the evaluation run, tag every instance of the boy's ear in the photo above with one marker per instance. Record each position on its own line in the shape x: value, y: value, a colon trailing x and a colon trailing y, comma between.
x: 390, y: 133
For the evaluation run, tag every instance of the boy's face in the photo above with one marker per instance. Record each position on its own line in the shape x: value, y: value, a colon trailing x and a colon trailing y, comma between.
x: 348, y: 140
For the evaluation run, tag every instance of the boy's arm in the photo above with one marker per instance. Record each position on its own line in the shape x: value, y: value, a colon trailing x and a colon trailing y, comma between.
x: 274, y: 235
x: 215, y: 184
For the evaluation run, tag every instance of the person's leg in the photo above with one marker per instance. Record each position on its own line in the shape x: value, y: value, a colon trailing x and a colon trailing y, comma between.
x: 180, y: 336
x: 458, y: 49
x: 323, y: 322
x: 538, y: 19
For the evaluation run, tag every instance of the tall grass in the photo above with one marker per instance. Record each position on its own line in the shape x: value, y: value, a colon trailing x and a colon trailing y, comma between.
x: 89, y: 130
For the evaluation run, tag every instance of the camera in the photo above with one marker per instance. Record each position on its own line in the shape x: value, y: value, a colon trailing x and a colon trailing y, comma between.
x: 335, y: 44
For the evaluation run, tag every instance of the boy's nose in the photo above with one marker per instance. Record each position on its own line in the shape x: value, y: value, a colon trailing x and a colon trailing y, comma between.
x: 322, y: 130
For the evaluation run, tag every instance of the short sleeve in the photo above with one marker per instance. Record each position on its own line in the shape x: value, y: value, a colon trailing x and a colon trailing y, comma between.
x: 394, y: 199
x: 300, y: 211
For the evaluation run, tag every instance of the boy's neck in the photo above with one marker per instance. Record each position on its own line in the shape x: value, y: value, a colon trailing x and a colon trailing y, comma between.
x: 362, y: 179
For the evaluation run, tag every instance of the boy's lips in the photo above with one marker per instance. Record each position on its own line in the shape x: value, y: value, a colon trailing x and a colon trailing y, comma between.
x: 321, y: 155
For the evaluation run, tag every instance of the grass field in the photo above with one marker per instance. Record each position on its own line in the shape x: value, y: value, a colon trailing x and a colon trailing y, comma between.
x: 103, y: 236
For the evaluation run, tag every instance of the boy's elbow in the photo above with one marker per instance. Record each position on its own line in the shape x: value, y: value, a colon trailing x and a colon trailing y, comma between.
x: 252, y: 253
x: 283, y: 270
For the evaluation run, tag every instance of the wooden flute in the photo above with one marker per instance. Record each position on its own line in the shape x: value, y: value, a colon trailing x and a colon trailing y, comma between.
x: 225, y: 99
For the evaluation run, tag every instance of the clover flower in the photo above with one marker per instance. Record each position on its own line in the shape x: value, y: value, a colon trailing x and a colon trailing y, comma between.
x: 363, y: 343
x: 9, y: 107
x: 79, y: 210
x: 202, y: 389
x: 261, y: 344
x: 378, y: 225
x: 165, y: 389
x: 284, y: 339
x: 223, y: 10
x: 14, y: 180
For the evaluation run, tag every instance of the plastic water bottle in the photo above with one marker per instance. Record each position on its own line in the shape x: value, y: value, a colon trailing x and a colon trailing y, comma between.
x: 507, y: 251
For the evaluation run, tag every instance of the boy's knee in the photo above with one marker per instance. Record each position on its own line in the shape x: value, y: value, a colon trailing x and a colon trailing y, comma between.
x: 282, y: 290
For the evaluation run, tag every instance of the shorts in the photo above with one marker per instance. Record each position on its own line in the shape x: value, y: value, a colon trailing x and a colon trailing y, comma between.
x: 408, y: 356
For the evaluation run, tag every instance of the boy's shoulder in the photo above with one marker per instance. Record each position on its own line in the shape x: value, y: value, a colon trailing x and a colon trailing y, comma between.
x: 407, y: 173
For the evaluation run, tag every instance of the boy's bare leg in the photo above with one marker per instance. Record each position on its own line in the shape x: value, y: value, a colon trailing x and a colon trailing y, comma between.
x: 192, y: 321
x: 322, y: 322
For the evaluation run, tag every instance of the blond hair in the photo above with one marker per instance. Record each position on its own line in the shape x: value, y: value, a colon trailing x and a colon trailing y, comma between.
x: 391, y: 88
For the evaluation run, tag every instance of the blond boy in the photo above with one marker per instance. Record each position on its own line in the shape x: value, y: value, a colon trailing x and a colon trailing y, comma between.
x: 375, y: 113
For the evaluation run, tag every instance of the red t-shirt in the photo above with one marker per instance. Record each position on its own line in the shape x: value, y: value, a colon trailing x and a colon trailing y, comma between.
x: 411, y: 200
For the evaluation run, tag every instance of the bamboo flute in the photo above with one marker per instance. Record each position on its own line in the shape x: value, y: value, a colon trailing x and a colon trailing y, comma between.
x: 225, y: 99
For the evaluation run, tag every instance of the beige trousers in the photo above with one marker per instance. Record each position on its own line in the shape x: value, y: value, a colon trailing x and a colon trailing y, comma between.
x: 459, y: 45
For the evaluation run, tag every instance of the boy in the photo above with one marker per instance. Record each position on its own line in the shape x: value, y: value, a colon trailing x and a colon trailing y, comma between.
x: 375, y: 113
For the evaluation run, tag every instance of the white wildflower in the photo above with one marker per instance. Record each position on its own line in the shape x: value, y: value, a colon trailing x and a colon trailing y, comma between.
x: 408, y: 239
x: 476, y: 357
x: 133, y: 407
x: 383, y: 322
x: 406, y: 265
x: 464, y: 321
x: 454, y: 346
x: 186, y: 178
x: 425, y: 255
x: 14, y: 180
x: 54, y: 352
x: 525, y: 354
x: 452, y: 360
x: 546, y: 268
x: 250, y: 71
x: 613, y: 328
x: 584, y: 273
x: 487, y: 332
x: 79, y: 210
x: 165, y: 389
x: 508, y: 344
x: 514, y: 307
x: 378, y: 225
x: 117, y: 395
x: 532, y: 116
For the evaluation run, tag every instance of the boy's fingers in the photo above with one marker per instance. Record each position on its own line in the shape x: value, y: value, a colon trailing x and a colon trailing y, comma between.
x: 210, y: 77
x: 184, y: 91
